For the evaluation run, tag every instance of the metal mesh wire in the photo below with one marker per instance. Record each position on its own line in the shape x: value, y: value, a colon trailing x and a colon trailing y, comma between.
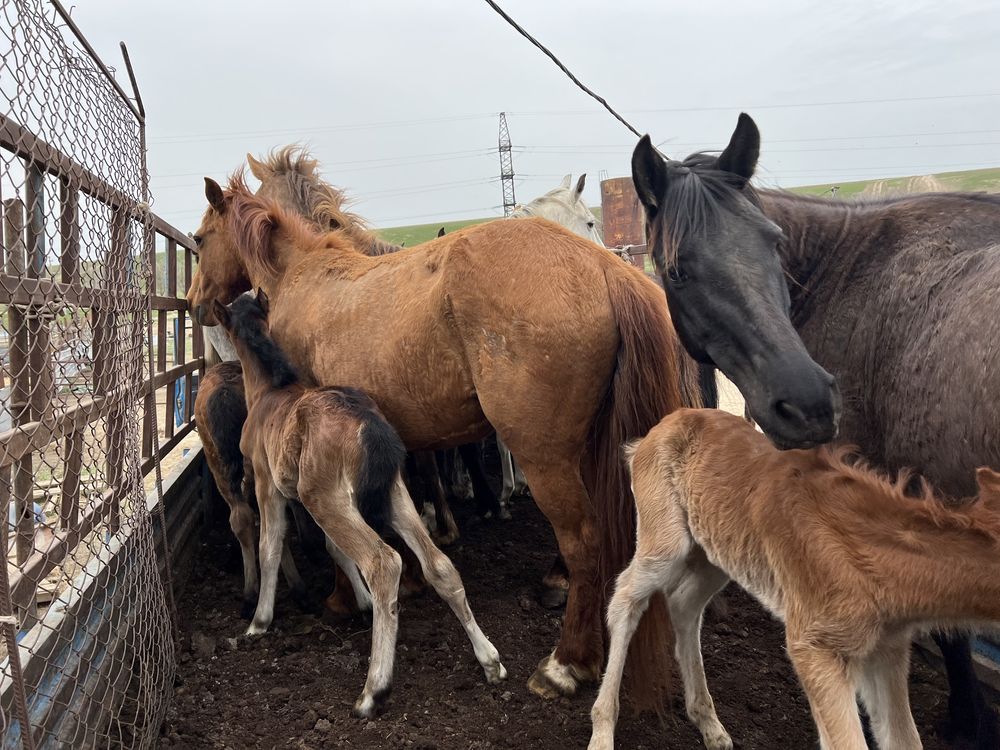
x: 81, y: 595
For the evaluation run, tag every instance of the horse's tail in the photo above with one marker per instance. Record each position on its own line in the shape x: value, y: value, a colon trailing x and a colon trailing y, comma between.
x: 645, y: 387
x: 382, y: 460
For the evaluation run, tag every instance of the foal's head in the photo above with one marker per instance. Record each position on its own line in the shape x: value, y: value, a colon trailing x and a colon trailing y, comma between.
x: 246, y: 321
x: 716, y: 252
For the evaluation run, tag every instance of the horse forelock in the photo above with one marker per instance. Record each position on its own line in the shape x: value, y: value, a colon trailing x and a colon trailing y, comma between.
x: 696, y: 191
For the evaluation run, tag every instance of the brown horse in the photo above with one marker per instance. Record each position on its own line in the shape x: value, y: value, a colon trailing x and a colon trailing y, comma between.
x: 851, y: 563
x: 518, y: 326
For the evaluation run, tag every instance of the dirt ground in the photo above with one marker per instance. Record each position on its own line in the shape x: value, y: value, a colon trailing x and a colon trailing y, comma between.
x: 294, y: 687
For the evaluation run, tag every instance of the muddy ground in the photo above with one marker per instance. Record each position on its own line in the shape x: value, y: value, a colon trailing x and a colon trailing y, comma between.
x: 294, y: 687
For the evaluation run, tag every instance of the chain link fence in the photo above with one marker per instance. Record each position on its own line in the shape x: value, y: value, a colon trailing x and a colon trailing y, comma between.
x: 87, y: 653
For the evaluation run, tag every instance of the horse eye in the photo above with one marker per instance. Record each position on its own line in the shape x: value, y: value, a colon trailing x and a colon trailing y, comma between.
x: 676, y: 274
x: 590, y: 224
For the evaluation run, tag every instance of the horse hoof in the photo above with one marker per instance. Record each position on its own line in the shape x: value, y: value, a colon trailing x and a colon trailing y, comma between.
x: 443, y: 540
x: 552, y: 679
x: 505, y: 514
x: 495, y: 672
x: 553, y: 598
x: 718, y: 741
x: 256, y: 629
x: 368, y: 706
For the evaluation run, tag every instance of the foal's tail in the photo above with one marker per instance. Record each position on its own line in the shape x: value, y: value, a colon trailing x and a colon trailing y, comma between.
x: 646, y: 386
x: 383, y: 458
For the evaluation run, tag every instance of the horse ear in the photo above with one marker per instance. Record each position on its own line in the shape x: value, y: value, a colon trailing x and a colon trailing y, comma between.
x: 649, y: 174
x: 441, y: 232
x: 580, y: 184
x: 989, y: 486
x: 221, y: 313
x: 566, y: 182
x: 257, y: 168
x: 740, y: 156
x: 214, y: 194
x: 262, y: 301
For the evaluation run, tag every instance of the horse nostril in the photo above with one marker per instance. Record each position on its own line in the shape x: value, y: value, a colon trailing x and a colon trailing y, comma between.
x: 790, y: 412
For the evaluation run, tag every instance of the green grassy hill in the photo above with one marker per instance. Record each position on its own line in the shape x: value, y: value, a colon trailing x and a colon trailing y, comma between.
x: 414, y: 235
x: 971, y: 180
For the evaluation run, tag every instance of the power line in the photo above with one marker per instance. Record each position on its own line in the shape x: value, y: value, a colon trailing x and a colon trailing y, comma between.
x: 750, y: 107
x: 562, y: 67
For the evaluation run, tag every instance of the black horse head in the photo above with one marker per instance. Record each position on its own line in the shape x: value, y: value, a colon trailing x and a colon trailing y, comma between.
x: 725, y: 285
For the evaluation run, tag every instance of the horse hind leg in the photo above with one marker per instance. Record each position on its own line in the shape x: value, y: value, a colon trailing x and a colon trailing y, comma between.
x: 243, y: 523
x: 361, y: 595
x: 380, y: 566
x: 442, y: 575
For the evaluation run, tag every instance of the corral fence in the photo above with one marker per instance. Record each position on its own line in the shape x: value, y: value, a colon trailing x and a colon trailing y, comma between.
x: 92, y: 355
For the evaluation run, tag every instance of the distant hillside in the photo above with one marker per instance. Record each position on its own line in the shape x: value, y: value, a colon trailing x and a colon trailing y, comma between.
x: 414, y: 235
x: 973, y: 180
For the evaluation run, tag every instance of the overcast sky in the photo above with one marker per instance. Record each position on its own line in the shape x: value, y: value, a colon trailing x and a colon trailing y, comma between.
x: 399, y: 100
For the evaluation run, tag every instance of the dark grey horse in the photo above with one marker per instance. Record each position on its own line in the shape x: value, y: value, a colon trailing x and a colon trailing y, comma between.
x: 898, y: 298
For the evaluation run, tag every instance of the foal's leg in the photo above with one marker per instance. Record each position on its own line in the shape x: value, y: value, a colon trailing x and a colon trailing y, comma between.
x: 380, y: 565
x: 885, y: 694
x: 346, y: 564
x: 637, y: 583
x: 441, y: 574
x: 272, y: 535
x: 687, y: 600
x: 243, y: 523
x: 830, y: 687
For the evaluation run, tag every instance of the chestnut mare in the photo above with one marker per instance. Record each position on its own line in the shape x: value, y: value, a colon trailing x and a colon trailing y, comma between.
x: 515, y: 325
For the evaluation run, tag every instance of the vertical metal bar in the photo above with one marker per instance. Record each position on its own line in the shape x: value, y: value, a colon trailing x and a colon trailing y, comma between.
x: 69, y: 231
x: 116, y: 424
x: 69, y: 504
x: 8, y: 624
x: 171, y: 268
x: 20, y: 393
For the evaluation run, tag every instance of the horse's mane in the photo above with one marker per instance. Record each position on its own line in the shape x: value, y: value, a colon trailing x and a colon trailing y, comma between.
x: 690, y: 204
x: 319, y: 201
x: 914, y: 493
x: 252, y: 220
x: 248, y: 323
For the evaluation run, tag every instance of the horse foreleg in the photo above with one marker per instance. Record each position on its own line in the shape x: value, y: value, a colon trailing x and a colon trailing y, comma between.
x: 446, y: 530
x: 486, y: 498
x: 272, y: 535
x: 969, y: 714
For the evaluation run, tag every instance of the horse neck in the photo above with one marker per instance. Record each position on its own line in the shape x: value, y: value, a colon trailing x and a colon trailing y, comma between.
x: 368, y: 242
x: 822, y: 238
